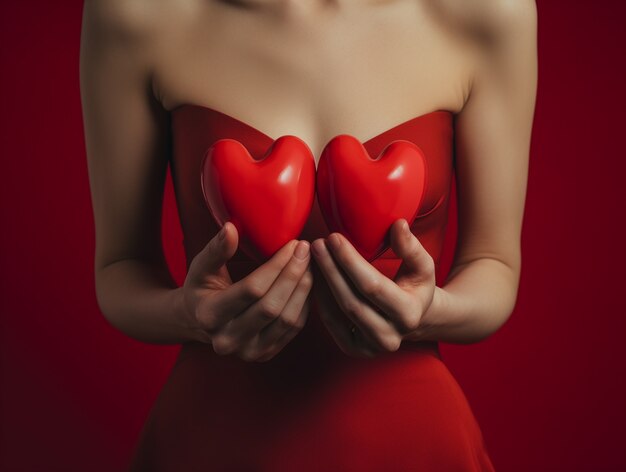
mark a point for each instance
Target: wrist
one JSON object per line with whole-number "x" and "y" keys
{"x": 186, "y": 320}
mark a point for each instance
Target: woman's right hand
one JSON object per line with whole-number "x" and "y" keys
{"x": 258, "y": 315}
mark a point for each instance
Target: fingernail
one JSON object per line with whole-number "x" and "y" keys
{"x": 302, "y": 250}
{"x": 222, "y": 234}
{"x": 406, "y": 229}
{"x": 318, "y": 249}
{"x": 334, "y": 240}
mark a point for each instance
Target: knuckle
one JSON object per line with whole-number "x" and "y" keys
{"x": 206, "y": 319}
{"x": 209, "y": 323}
{"x": 269, "y": 309}
{"x": 372, "y": 287}
{"x": 410, "y": 321}
{"x": 429, "y": 267}
{"x": 426, "y": 263}
{"x": 307, "y": 280}
{"x": 351, "y": 308}
{"x": 292, "y": 273}
{"x": 254, "y": 290}
{"x": 223, "y": 345}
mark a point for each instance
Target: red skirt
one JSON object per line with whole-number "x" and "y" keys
{"x": 311, "y": 408}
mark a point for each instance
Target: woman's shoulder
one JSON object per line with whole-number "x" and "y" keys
{"x": 489, "y": 20}
{"x": 123, "y": 19}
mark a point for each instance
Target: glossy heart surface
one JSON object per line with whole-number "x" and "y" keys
{"x": 361, "y": 197}
{"x": 268, "y": 200}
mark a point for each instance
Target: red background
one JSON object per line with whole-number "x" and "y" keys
{"x": 548, "y": 389}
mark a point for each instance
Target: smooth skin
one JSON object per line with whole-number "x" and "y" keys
{"x": 477, "y": 59}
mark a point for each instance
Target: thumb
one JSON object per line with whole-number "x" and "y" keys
{"x": 417, "y": 265}
{"x": 218, "y": 250}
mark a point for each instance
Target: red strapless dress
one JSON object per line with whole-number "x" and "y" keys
{"x": 311, "y": 407}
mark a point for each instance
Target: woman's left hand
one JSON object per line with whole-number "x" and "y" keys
{"x": 365, "y": 311}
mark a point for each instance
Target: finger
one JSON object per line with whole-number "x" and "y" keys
{"x": 211, "y": 259}
{"x": 363, "y": 345}
{"x": 269, "y": 352}
{"x": 269, "y": 308}
{"x": 398, "y": 303}
{"x": 374, "y": 325}
{"x": 376, "y": 287}
{"x": 290, "y": 318}
{"x": 242, "y": 294}
{"x": 338, "y": 325}
{"x": 417, "y": 264}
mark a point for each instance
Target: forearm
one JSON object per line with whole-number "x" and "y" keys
{"x": 474, "y": 303}
{"x": 143, "y": 301}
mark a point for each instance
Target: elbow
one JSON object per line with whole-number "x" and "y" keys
{"x": 500, "y": 315}
{"x": 105, "y": 304}
{"x": 494, "y": 318}
{"x": 493, "y": 326}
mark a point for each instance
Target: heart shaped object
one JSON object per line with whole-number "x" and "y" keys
{"x": 361, "y": 197}
{"x": 268, "y": 200}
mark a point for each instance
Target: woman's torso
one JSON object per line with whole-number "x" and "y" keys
{"x": 314, "y": 71}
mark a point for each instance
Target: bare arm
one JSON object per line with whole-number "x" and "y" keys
{"x": 492, "y": 150}
{"x": 126, "y": 136}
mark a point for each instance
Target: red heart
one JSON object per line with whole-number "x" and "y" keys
{"x": 268, "y": 200}
{"x": 361, "y": 197}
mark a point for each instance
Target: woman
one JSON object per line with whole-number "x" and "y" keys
{"x": 316, "y": 359}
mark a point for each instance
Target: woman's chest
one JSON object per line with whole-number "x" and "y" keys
{"x": 314, "y": 74}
